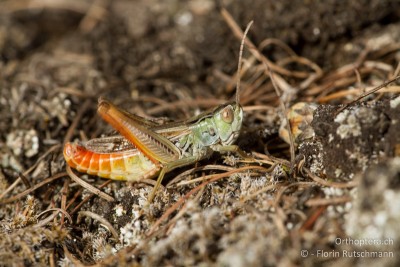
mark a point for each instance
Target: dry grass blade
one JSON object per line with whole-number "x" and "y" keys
{"x": 44, "y": 222}
{"x": 330, "y": 184}
{"x": 209, "y": 177}
{"x": 308, "y": 224}
{"x": 169, "y": 225}
{"x": 71, "y": 257}
{"x": 259, "y": 192}
{"x": 328, "y": 201}
{"x": 86, "y": 199}
{"x": 201, "y": 168}
{"x": 77, "y": 118}
{"x": 385, "y": 84}
{"x": 288, "y": 124}
{"x": 266, "y": 42}
{"x": 88, "y": 186}
{"x": 30, "y": 190}
{"x": 25, "y": 173}
{"x": 280, "y": 192}
{"x": 151, "y": 183}
{"x": 95, "y": 13}
{"x": 194, "y": 190}
{"x": 253, "y": 49}
{"x": 10, "y": 188}
{"x": 347, "y": 92}
{"x": 293, "y": 57}
{"x": 64, "y": 193}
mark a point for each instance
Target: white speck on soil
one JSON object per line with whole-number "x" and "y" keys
{"x": 23, "y": 141}
{"x": 349, "y": 125}
{"x": 119, "y": 210}
{"x": 395, "y": 102}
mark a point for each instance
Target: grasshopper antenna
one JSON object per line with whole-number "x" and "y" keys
{"x": 239, "y": 69}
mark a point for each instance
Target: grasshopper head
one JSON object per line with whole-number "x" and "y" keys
{"x": 228, "y": 119}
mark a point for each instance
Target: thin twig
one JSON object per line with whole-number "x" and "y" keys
{"x": 196, "y": 169}
{"x": 101, "y": 220}
{"x": 260, "y": 191}
{"x": 323, "y": 182}
{"x": 308, "y": 224}
{"x": 71, "y": 257}
{"x": 30, "y": 190}
{"x": 191, "y": 192}
{"x": 208, "y": 177}
{"x": 76, "y": 120}
{"x": 280, "y": 192}
{"x": 328, "y": 201}
{"x": 64, "y": 193}
{"x": 385, "y": 84}
{"x": 64, "y": 212}
{"x": 86, "y": 199}
{"x": 88, "y": 186}
{"x": 25, "y": 173}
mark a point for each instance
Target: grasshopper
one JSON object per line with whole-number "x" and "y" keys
{"x": 145, "y": 149}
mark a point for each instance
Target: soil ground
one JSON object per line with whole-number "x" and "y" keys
{"x": 315, "y": 201}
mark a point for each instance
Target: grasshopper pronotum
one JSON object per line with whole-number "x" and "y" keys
{"x": 146, "y": 149}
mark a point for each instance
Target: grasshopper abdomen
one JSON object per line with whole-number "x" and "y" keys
{"x": 130, "y": 165}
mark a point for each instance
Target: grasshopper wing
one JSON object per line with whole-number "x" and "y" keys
{"x": 155, "y": 146}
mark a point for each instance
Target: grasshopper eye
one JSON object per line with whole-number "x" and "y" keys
{"x": 227, "y": 114}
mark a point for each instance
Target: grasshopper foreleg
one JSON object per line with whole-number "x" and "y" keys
{"x": 234, "y": 149}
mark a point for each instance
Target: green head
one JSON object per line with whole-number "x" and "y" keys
{"x": 228, "y": 121}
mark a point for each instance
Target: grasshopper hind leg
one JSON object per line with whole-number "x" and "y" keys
{"x": 158, "y": 183}
{"x": 173, "y": 165}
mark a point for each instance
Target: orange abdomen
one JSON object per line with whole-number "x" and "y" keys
{"x": 130, "y": 165}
